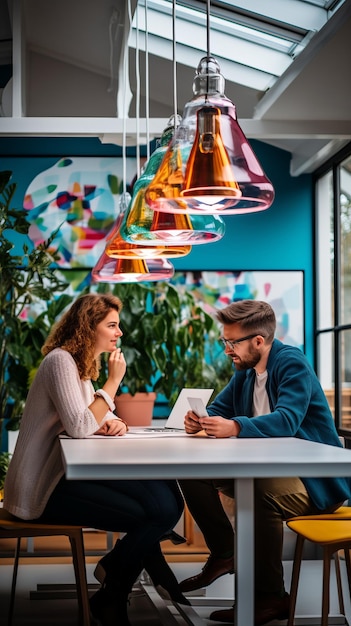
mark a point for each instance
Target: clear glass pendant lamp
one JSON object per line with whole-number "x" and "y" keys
{"x": 209, "y": 167}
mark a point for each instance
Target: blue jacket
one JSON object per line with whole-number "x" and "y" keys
{"x": 298, "y": 409}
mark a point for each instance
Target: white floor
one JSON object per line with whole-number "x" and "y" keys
{"x": 41, "y": 611}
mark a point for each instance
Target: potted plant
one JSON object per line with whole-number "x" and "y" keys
{"x": 169, "y": 342}
{"x": 27, "y": 279}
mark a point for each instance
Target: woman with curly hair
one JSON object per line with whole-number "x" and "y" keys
{"x": 61, "y": 400}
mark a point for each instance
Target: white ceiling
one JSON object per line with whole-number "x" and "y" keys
{"x": 67, "y": 60}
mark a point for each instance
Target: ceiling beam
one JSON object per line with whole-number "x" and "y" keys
{"x": 303, "y": 164}
{"x": 110, "y": 129}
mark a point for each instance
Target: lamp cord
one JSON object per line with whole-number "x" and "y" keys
{"x": 207, "y": 43}
{"x": 174, "y": 65}
{"x": 147, "y": 95}
{"x": 124, "y": 142}
{"x": 137, "y": 92}
{"x": 138, "y": 96}
{"x": 112, "y": 31}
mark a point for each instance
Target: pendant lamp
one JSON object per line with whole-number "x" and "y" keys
{"x": 209, "y": 167}
{"x": 117, "y": 248}
{"x": 127, "y": 262}
{"x": 130, "y": 267}
{"x": 144, "y": 226}
{"x": 109, "y": 270}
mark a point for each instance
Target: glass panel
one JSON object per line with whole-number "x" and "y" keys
{"x": 260, "y": 39}
{"x": 325, "y": 345}
{"x": 246, "y": 55}
{"x": 345, "y": 349}
{"x": 325, "y": 252}
{"x": 345, "y": 241}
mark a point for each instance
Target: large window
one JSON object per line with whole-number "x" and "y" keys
{"x": 333, "y": 281}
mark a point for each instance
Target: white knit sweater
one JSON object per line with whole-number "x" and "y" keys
{"x": 57, "y": 402}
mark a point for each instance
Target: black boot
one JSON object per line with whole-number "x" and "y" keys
{"x": 105, "y": 564}
{"x": 102, "y": 567}
{"x": 174, "y": 537}
{"x": 108, "y": 606}
{"x": 158, "y": 569}
{"x": 163, "y": 578}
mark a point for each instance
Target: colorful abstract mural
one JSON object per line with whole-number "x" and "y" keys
{"x": 215, "y": 289}
{"x": 79, "y": 196}
{"x": 284, "y": 290}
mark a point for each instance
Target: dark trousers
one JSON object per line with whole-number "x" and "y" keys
{"x": 276, "y": 499}
{"x": 143, "y": 509}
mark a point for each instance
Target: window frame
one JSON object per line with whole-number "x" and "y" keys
{"x": 337, "y": 328}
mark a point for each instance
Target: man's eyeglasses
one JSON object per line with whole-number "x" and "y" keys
{"x": 232, "y": 342}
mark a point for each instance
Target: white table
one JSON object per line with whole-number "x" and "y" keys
{"x": 187, "y": 456}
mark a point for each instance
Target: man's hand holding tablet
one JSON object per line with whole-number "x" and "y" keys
{"x": 214, "y": 426}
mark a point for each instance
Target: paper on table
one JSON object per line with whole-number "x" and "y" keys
{"x": 156, "y": 433}
{"x": 141, "y": 434}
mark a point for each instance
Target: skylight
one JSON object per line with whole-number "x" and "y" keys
{"x": 253, "y": 41}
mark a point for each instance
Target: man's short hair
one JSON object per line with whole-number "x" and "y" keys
{"x": 254, "y": 316}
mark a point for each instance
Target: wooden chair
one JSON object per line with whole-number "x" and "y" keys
{"x": 188, "y": 526}
{"x": 12, "y": 528}
{"x": 333, "y": 533}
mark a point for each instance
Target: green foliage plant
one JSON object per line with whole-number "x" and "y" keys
{"x": 26, "y": 279}
{"x": 5, "y": 458}
{"x": 169, "y": 341}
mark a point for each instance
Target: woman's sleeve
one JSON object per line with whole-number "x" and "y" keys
{"x": 69, "y": 395}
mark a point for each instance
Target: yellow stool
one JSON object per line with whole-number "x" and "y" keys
{"x": 332, "y": 532}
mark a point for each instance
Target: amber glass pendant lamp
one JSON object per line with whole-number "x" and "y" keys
{"x": 209, "y": 167}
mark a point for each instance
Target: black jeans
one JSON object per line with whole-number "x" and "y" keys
{"x": 143, "y": 509}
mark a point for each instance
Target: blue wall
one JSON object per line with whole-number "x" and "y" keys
{"x": 280, "y": 238}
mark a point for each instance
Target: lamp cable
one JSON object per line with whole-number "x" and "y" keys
{"x": 208, "y": 6}
{"x": 147, "y": 87}
{"x": 174, "y": 44}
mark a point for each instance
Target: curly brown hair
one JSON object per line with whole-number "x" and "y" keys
{"x": 252, "y": 315}
{"x": 75, "y": 331}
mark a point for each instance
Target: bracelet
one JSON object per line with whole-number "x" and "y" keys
{"x": 125, "y": 423}
{"x": 101, "y": 393}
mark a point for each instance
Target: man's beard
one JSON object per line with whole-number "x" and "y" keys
{"x": 249, "y": 361}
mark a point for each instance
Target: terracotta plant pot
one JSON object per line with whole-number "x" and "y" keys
{"x": 136, "y": 410}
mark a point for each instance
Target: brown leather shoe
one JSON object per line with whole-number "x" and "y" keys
{"x": 223, "y": 615}
{"x": 213, "y": 569}
{"x": 267, "y": 607}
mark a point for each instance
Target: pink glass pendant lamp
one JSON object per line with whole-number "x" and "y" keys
{"x": 222, "y": 172}
{"x": 128, "y": 262}
{"x": 144, "y": 226}
{"x": 209, "y": 166}
{"x": 130, "y": 267}
{"x": 109, "y": 270}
